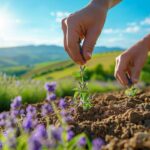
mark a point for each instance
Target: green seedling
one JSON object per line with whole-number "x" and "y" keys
{"x": 82, "y": 92}
{"x": 131, "y": 92}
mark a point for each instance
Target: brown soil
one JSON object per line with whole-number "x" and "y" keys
{"x": 123, "y": 122}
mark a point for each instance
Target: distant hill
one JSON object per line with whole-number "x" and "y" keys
{"x": 31, "y": 55}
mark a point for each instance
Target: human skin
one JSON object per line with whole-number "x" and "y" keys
{"x": 85, "y": 24}
{"x": 132, "y": 61}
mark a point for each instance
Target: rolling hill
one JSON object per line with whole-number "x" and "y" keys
{"x": 23, "y": 60}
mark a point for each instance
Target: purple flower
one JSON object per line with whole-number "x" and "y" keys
{"x": 11, "y": 122}
{"x": 62, "y": 104}
{"x": 3, "y": 115}
{"x": 50, "y": 86}
{"x": 82, "y": 142}
{"x": 31, "y": 111}
{"x": 46, "y": 109}
{"x": 34, "y": 143}
{"x": 97, "y": 144}
{"x": 15, "y": 113}
{"x": 1, "y": 145}
{"x": 70, "y": 135}
{"x": 56, "y": 133}
{"x": 11, "y": 139}
{"x": 40, "y": 131}
{"x": 2, "y": 123}
{"x": 51, "y": 97}
{"x": 22, "y": 112}
{"x": 66, "y": 116}
{"x": 16, "y": 102}
{"x": 29, "y": 123}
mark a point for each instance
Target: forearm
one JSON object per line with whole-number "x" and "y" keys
{"x": 146, "y": 41}
{"x": 106, "y": 3}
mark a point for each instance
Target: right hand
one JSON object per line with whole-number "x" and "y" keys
{"x": 85, "y": 24}
{"x": 132, "y": 62}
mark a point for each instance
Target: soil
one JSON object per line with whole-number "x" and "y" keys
{"x": 123, "y": 122}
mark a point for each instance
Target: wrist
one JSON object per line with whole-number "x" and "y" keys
{"x": 101, "y": 3}
{"x": 146, "y": 42}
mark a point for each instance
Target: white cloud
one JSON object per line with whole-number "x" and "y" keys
{"x": 111, "y": 31}
{"x": 146, "y": 21}
{"x": 132, "y": 29}
{"x": 59, "y": 15}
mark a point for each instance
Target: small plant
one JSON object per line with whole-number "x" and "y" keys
{"x": 131, "y": 92}
{"x": 82, "y": 91}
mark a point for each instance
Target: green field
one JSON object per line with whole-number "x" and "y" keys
{"x": 65, "y": 69}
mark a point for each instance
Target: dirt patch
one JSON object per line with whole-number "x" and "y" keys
{"x": 123, "y": 122}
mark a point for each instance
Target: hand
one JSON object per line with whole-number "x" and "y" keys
{"x": 132, "y": 62}
{"x": 85, "y": 24}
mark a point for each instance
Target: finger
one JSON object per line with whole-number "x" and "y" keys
{"x": 64, "y": 28}
{"x": 120, "y": 71}
{"x": 115, "y": 73}
{"x": 89, "y": 43}
{"x": 136, "y": 69}
{"x": 73, "y": 44}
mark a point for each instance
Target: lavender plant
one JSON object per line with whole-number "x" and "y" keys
{"x": 82, "y": 91}
{"x": 24, "y": 131}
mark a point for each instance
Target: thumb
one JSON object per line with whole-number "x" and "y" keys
{"x": 89, "y": 43}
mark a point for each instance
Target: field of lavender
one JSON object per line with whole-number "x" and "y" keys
{"x": 30, "y": 127}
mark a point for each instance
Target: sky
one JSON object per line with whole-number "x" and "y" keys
{"x": 27, "y": 22}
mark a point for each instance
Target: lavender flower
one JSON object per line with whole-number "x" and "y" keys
{"x": 70, "y": 135}
{"x": 66, "y": 116}
{"x": 82, "y": 142}
{"x": 22, "y": 112}
{"x": 15, "y": 113}
{"x": 2, "y": 123}
{"x": 34, "y": 143}
{"x": 29, "y": 123}
{"x": 16, "y": 102}
{"x": 56, "y": 133}
{"x": 1, "y": 145}
{"x": 62, "y": 104}
{"x": 51, "y": 97}
{"x": 31, "y": 111}
{"x": 40, "y": 132}
{"x": 3, "y": 115}
{"x": 50, "y": 86}
{"x": 97, "y": 144}
{"x": 10, "y": 122}
{"x": 11, "y": 139}
{"x": 46, "y": 109}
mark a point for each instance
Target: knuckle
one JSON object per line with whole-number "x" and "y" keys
{"x": 70, "y": 19}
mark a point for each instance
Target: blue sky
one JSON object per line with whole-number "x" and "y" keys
{"x": 24, "y": 22}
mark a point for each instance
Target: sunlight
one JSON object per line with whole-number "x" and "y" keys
{"x": 5, "y": 22}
